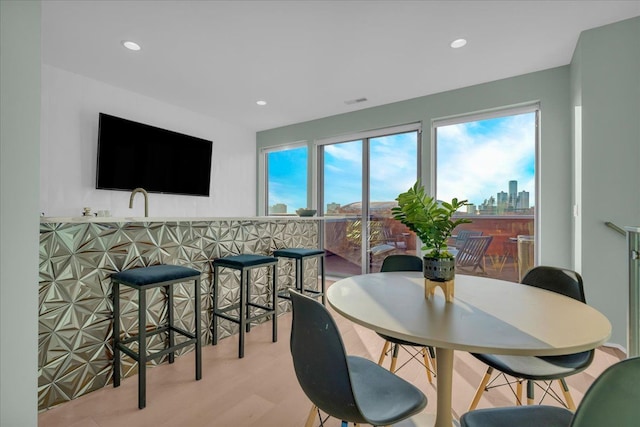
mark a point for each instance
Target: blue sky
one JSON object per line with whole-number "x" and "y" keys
{"x": 288, "y": 178}
{"x": 392, "y": 162}
{"x": 475, "y": 160}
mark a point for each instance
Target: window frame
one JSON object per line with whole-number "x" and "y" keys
{"x": 263, "y": 173}
{"x": 505, "y": 111}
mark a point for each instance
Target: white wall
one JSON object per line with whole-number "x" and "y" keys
{"x": 69, "y": 135}
{"x": 19, "y": 163}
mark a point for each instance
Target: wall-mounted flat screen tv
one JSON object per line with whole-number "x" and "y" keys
{"x": 132, "y": 155}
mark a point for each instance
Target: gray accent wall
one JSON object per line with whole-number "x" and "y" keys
{"x": 550, "y": 88}
{"x": 19, "y": 223}
{"x": 606, "y": 89}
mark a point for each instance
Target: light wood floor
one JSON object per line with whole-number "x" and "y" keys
{"x": 261, "y": 389}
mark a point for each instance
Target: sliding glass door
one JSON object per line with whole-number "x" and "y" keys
{"x": 359, "y": 181}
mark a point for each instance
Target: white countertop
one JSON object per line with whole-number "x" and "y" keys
{"x": 109, "y": 219}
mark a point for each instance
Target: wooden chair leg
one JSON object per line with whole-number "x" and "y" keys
{"x": 519, "y": 392}
{"x": 426, "y": 357}
{"x": 567, "y": 395}
{"x": 312, "y": 415}
{"x": 384, "y": 352}
{"x": 480, "y": 390}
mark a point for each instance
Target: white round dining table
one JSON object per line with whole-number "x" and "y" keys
{"x": 485, "y": 316}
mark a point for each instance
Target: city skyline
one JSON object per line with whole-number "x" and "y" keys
{"x": 513, "y": 200}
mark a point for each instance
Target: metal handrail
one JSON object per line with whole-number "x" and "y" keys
{"x": 615, "y": 227}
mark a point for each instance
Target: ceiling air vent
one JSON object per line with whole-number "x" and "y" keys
{"x": 355, "y": 101}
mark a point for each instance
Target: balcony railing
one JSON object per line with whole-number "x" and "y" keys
{"x": 344, "y": 242}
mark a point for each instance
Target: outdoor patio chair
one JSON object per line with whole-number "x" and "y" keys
{"x": 471, "y": 255}
{"x": 462, "y": 237}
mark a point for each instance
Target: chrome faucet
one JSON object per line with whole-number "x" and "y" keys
{"x": 146, "y": 200}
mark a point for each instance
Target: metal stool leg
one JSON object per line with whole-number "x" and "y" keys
{"x": 244, "y": 276}
{"x": 142, "y": 348}
{"x": 299, "y": 275}
{"x": 196, "y": 308}
{"x": 246, "y": 303}
{"x": 214, "y": 317}
{"x": 172, "y": 339}
{"x": 274, "y": 303}
{"x": 116, "y": 334}
{"x": 322, "y": 281}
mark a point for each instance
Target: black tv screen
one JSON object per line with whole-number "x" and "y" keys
{"x": 132, "y": 155}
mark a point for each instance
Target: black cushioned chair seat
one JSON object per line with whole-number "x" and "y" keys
{"x": 298, "y": 253}
{"x": 518, "y": 416}
{"x": 377, "y": 390}
{"x": 243, "y": 261}
{"x": 538, "y": 368}
{"x": 154, "y": 274}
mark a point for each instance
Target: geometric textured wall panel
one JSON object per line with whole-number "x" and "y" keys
{"x": 75, "y": 319}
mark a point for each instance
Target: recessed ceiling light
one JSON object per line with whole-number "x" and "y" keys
{"x": 458, "y": 43}
{"x": 131, "y": 45}
{"x": 261, "y": 102}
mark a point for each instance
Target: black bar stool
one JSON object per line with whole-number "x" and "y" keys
{"x": 299, "y": 255}
{"x": 143, "y": 279}
{"x": 244, "y": 264}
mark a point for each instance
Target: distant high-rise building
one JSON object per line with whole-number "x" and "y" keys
{"x": 488, "y": 207}
{"x": 278, "y": 208}
{"x": 502, "y": 202}
{"x": 471, "y": 209}
{"x": 513, "y": 193}
{"x": 523, "y": 200}
{"x": 503, "y": 198}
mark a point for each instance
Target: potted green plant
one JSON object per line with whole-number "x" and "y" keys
{"x": 433, "y": 223}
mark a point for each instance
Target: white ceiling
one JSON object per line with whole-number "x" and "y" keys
{"x": 306, "y": 58}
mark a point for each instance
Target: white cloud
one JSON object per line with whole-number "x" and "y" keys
{"x": 476, "y": 162}
{"x": 346, "y": 152}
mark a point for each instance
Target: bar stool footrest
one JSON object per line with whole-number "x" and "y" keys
{"x": 223, "y": 313}
{"x": 309, "y": 292}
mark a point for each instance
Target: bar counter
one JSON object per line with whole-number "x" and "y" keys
{"x": 78, "y": 255}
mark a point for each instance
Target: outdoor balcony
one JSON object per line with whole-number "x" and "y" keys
{"x": 343, "y": 243}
